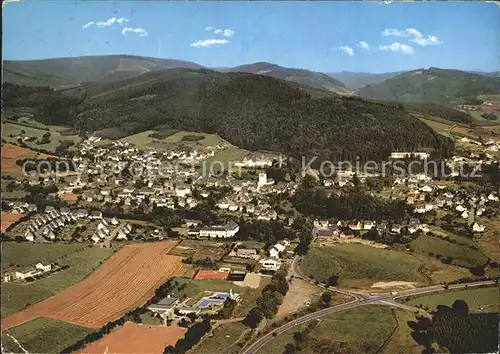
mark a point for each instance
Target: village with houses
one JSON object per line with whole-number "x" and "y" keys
{"x": 237, "y": 230}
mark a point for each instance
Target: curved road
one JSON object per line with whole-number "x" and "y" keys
{"x": 360, "y": 300}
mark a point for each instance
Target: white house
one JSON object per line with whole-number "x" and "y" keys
{"x": 426, "y": 188}
{"x": 29, "y": 236}
{"x": 27, "y": 273}
{"x": 225, "y": 231}
{"x": 368, "y": 225}
{"x": 274, "y": 253}
{"x": 477, "y": 228}
{"x": 492, "y": 197}
{"x": 396, "y": 228}
{"x": 403, "y": 155}
{"x": 42, "y": 267}
{"x": 270, "y": 264}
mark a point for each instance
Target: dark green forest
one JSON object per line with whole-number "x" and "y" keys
{"x": 251, "y": 111}
{"x": 458, "y": 330}
{"x": 432, "y": 85}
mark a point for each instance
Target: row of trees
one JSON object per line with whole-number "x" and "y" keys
{"x": 193, "y": 335}
{"x": 269, "y": 301}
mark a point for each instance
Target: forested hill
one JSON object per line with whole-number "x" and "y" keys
{"x": 306, "y": 77}
{"x": 59, "y": 72}
{"x": 432, "y": 86}
{"x": 251, "y": 111}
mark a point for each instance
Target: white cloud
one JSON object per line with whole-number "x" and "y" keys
{"x": 204, "y": 43}
{"x": 397, "y": 47}
{"x": 228, "y": 33}
{"x": 140, "y": 31}
{"x": 346, "y": 49}
{"x": 363, "y": 45}
{"x": 108, "y": 23}
{"x": 431, "y": 40}
{"x": 209, "y": 28}
{"x": 5, "y": 2}
{"x": 413, "y": 35}
{"x": 88, "y": 24}
{"x": 406, "y": 33}
{"x": 224, "y": 32}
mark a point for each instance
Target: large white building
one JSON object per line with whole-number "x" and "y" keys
{"x": 264, "y": 181}
{"x": 225, "y": 231}
{"x": 404, "y": 155}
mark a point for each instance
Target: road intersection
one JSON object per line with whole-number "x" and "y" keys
{"x": 359, "y": 299}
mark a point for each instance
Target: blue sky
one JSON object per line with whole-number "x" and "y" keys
{"x": 321, "y": 36}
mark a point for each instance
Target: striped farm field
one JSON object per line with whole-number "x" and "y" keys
{"x": 126, "y": 281}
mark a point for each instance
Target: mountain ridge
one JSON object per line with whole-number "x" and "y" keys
{"x": 310, "y": 78}
{"x": 255, "y": 112}
{"x": 432, "y": 85}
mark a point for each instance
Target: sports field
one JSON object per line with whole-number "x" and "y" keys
{"x": 134, "y": 338}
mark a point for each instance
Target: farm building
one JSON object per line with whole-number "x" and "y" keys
{"x": 26, "y": 273}
{"x": 246, "y": 253}
{"x": 165, "y": 306}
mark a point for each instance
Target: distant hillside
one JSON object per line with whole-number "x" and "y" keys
{"x": 490, "y": 74}
{"x": 306, "y": 77}
{"x": 359, "y": 80}
{"x": 432, "y": 86}
{"x": 72, "y": 71}
{"x": 255, "y": 112}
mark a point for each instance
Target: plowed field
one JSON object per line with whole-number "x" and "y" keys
{"x": 133, "y": 338}
{"x": 12, "y": 153}
{"x": 127, "y": 280}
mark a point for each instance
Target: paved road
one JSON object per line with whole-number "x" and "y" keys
{"x": 386, "y": 299}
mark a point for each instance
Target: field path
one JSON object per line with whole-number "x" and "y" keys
{"x": 127, "y": 280}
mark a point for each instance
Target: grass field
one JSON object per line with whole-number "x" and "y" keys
{"x": 172, "y": 140}
{"x": 364, "y": 329}
{"x": 200, "y": 249}
{"x": 442, "y": 127}
{"x": 488, "y": 242}
{"x": 225, "y": 158}
{"x": 15, "y": 297}
{"x": 148, "y": 319}
{"x": 462, "y": 255}
{"x": 16, "y": 255}
{"x": 445, "y": 127}
{"x": 44, "y": 335}
{"x": 401, "y": 341}
{"x": 355, "y": 262}
{"x": 222, "y": 340}
{"x": 475, "y": 298}
{"x": 55, "y": 135}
